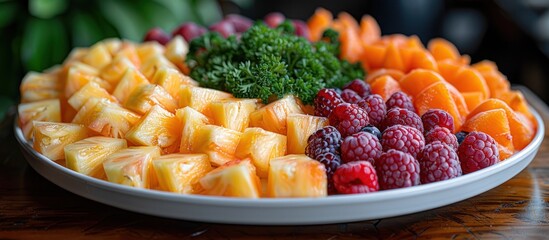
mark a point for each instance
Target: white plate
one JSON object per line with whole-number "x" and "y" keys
{"x": 332, "y": 209}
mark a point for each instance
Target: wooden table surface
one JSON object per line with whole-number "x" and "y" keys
{"x": 33, "y": 208}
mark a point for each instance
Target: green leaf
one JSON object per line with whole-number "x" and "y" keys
{"x": 5, "y": 104}
{"x": 85, "y": 30}
{"x": 8, "y": 11}
{"x": 209, "y": 11}
{"x": 124, "y": 17}
{"x": 156, "y": 15}
{"x": 47, "y": 8}
{"x": 44, "y": 44}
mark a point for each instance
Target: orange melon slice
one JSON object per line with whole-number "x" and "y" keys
{"x": 494, "y": 123}
{"x": 438, "y": 96}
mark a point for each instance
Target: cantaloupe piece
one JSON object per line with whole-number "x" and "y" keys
{"x": 385, "y": 86}
{"x": 438, "y": 96}
{"x": 494, "y": 123}
{"x": 320, "y": 20}
{"x": 418, "y": 80}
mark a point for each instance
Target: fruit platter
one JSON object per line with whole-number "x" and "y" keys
{"x": 277, "y": 121}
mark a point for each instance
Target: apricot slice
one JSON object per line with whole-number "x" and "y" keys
{"x": 494, "y": 123}
{"x": 372, "y": 56}
{"x": 472, "y": 99}
{"x": 438, "y": 96}
{"x": 393, "y": 58}
{"x": 423, "y": 60}
{"x": 320, "y": 20}
{"x": 385, "y": 86}
{"x": 464, "y": 78}
{"x": 395, "y": 74}
{"x": 442, "y": 49}
{"x": 418, "y": 80}
{"x": 369, "y": 29}
{"x": 517, "y": 102}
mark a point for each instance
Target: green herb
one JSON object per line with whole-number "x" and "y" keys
{"x": 270, "y": 63}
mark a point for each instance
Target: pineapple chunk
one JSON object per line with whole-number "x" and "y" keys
{"x": 50, "y": 138}
{"x": 88, "y": 91}
{"x": 261, "y": 146}
{"x": 199, "y": 98}
{"x": 144, "y": 97}
{"x": 76, "y": 55}
{"x": 273, "y": 116}
{"x": 157, "y": 128}
{"x": 45, "y": 110}
{"x": 176, "y": 51}
{"x": 39, "y": 86}
{"x": 131, "y": 80}
{"x": 98, "y": 56}
{"x": 296, "y": 175}
{"x": 148, "y": 50}
{"x": 152, "y": 64}
{"x": 76, "y": 79}
{"x": 114, "y": 72}
{"x": 218, "y": 143}
{"x": 233, "y": 113}
{"x": 87, "y": 155}
{"x": 180, "y": 173}
{"x": 171, "y": 80}
{"x": 132, "y": 167}
{"x": 234, "y": 179}
{"x": 113, "y": 45}
{"x": 190, "y": 120}
{"x": 128, "y": 51}
{"x": 300, "y": 127}
{"x": 106, "y": 118}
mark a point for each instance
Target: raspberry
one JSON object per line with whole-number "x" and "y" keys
{"x": 375, "y": 107}
{"x": 350, "y": 96}
{"x": 438, "y": 162}
{"x": 401, "y": 100}
{"x": 403, "y": 117}
{"x": 443, "y": 135}
{"x": 331, "y": 162}
{"x": 403, "y": 138}
{"x": 360, "y": 146}
{"x": 348, "y": 118}
{"x": 437, "y": 117}
{"x": 326, "y": 99}
{"x": 323, "y": 140}
{"x": 372, "y": 130}
{"x": 356, "y": 177}
{"x": 461, "y": 136}
{"x": 477, "y": 151}
{"x": 397, "y": 169}
{"x": 359, "y": 86}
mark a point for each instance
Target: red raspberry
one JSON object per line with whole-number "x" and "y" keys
{"x": 356, "y": 177}
{"x": 360, "y": 146}
{"x": 443, "y": 135}
{"x": 403, "y": 138}
{"x": 157, "y": 34}
{"x": 477, "y": 151}
{"x": 397, "y": 169}
{"x": 331, "y": 163}
{"x": 323, "y": 140}
{"x": 350, "y": 96}
{"x": 438, "y": 162}
{"x": 348, "y": 118}
{"x": 325, "y": 101}
{"x": 375, "y": 107}
{"x": 359, "y": 86}
{"x": 403, "y": 117}
{"x": 401, "y": 100}
{"x": 437, "y": 117}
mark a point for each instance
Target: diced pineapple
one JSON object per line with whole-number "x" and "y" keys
{"x": 261, "y": 146}
{"x": 98, "y": 56}
{"x": 199, "y": 98}
{"x": 76, "y": 79}
{"x": 148, "y": 50}
{"x": 113, "y": 45}
{"x": 296, "y": 175}
{"x": 234, "y": 179}
{"x": 299, "y": 128}
{"x": 171, "y": 80}
{"x": 152, "y": 64}
{"x": 273, "y": 116}
{"x": 76, "y": 55}
{"x": 45, "y": 110}
{"x": 176, "y": 51}
{"x": 90, "y": 90}
{"x": 39, "y": 86}
{"x": 106, "y": 118}
{"x": 132, "y": 167}
{"x": 87, "y": 155}
{"x": 114, "y": 72}
{"x": 128, "y": 51}
{"x": 157, "y": 128}
{"x": 180, "y": 173}
{"x": 131, "y": 79}
{"x": 50, "y": 138}
{"x": 232, "y": 113}
{"x": 144, "y": 97}
{"x": 217, "y": 142}
{"x": 190, "y": 120}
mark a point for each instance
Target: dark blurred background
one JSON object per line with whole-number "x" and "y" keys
{"x": 36, "y": 34}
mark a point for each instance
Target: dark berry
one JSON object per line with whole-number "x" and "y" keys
{"x": 461, "y": 136}
{"x": 372, "y": 130}
{"x": 443, "y": 135}
{"x": 348, "y": 118}
{"x": 301, "y": 29}
{"x": 359, "y": 86}
{"x": 325, "y": 101}
{"x": 323, "y": 140}
{"x": 400, "y": 100}
{"x": 477, "y": 151}
{"x": 360, "y": 146}
{"x": 403, "y": 117}
{"x": 274, "y": 19}
{"x": 437, "y": 117}
{"x": 438, "y": 162}
{"x": 403, "y": 138}
{"x": 375, "y": 107}
{"x": 397, "y": 169}
{"x": 331, "y": 162}
{"x": 350, "y": 96}
{"x": 189, "y": 31}
{"x": 240, "y": 23}
{"x": 158, "y": 35}
{"x": 223, "y": 27}
{"x": 356, "y": 177}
